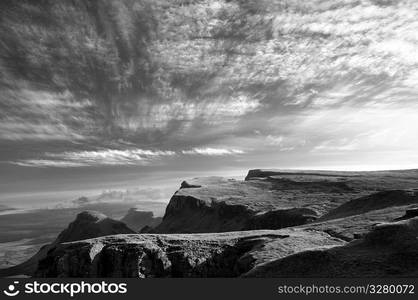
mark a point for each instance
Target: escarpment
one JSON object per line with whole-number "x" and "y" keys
{"x": 274, "y": 224}
{"x": 274, "y": 199}
{"x": 217, "y": 204}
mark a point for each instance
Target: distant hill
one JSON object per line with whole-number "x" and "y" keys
{"x": 137, "y": 219}
{"x": 88, "y": 224}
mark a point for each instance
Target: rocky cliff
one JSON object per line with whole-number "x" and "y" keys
{"x": 178, "y": 255}
{"x": 89, "y": 224}
{"x": 274, "y": 199}
{"x": 387, "y": 250}
{"x": 217, "y": 205}
{"x": 273, "y": 224}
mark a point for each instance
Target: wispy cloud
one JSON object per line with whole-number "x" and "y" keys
{"x": 17, "y": 129}
{"x": 97, "y": 158}
{"x": 150, "y": 116}
{"x": 213, "y": 151}
{"x": 112, "y": 157}
{"x": 283, "y": 143}
{"x": 49, "y": 163}
{"x": 43, "y": 116}
{"x": 314, "y": 76}
{"x": 374, "y": 129}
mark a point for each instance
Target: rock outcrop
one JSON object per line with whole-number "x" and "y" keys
{"x": 88, "y": 224}
{"x": 216, "y": 204}
{"x": 274, "y": 199}
{"x": 389, "y": 249}
{"x": 274, "y": 224}
{"x": 138, "y": 219}
{"x": 178, "y": 255}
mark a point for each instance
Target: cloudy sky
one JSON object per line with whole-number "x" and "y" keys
{"x": 108, "y": 95}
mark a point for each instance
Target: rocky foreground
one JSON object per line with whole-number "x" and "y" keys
{"x": 272, "y": 224}
{"x": 387, "y": 250}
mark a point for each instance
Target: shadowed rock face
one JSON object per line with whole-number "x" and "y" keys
{"x": 89, "y": 224}
{"x": 216, "y": 204}
{"x": 138, "y": 219}
{"x": 274, "y": 199}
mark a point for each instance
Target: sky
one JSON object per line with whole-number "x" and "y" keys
{"x": 157, "y": 92}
